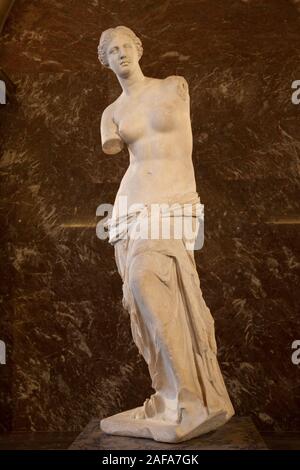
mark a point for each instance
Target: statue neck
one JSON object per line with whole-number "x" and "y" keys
{"x": 130, "y": 85}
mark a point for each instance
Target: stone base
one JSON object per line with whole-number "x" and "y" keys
{"x": 124, "y": 424}
{"x": 239, "y": 433}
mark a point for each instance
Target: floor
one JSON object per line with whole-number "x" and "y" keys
{"x": 63, "y": 440}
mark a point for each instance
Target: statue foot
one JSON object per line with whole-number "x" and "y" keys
{"x": 148, "y": 410}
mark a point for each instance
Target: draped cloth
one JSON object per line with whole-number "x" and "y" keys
{"x": 173, "y": 330}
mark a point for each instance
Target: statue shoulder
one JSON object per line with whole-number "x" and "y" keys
{"x": 108, "y": 112}
{"x": 180, "y": 84}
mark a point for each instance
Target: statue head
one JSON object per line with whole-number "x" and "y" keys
{"x": 119, "y": 49}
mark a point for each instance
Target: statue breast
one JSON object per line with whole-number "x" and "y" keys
{"x": 154, "y": 114}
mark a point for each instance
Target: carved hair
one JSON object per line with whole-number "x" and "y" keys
{"x": 107, "y": 36}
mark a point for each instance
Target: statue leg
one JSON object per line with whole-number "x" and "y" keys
{"x": 161, "y": 333}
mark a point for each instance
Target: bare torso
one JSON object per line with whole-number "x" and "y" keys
{"x": 155, "y": 125}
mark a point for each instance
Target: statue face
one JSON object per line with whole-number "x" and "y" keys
{"x": 122, "y": 54}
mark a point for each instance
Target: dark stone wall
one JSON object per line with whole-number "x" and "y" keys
{"x": 70, "y": 354}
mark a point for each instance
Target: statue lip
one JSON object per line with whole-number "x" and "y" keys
{"x": 124, "y": 62}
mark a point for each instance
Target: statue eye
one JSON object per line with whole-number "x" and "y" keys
{"x": 113, "y": 50}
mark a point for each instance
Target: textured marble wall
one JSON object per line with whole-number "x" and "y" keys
{"x": 70, "y": 352}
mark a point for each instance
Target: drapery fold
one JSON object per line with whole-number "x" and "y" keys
{"x": 172, "y": 328}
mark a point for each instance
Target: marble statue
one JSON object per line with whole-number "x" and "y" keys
{"x": 171, "y": 324}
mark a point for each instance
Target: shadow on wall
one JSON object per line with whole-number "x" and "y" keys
{"x": 5, "y": 7}
{"x": 7, "y": 87}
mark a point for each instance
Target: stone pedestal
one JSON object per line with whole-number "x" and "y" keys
{"x": 239, "y": 433}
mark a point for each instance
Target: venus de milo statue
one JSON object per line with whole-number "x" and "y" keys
{"x": 171, "y": 324}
